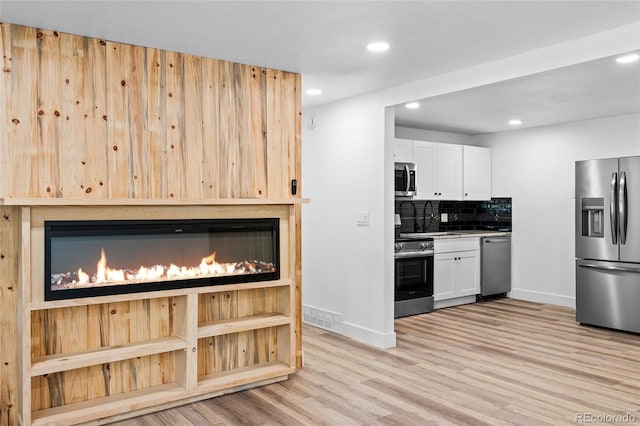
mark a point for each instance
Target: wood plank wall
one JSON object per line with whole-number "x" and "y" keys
{"x": 9, "y": 262}
{"x": 89, "y": 118}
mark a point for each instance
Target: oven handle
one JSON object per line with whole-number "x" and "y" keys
{"x": 426, "y": 253}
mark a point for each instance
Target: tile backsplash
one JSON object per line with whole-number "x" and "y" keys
{"x": 426, "y": 216}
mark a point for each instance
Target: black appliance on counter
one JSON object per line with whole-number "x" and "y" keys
{"x": 413, "y": 287}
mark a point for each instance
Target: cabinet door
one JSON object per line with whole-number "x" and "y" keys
{"x": 402, "y": 151}
{"x": 424, "y": 155}
{"x": 477, "y": 173}
{"x": 449, "y": 171}
{"x": 443, "y": 275}
{"x": 466, "y": 280}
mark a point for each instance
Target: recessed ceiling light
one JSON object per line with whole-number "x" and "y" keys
{"x": 626, "y": 59}
{"x": 412, "y": 105}
{"x": 515, "y": 122}
{"x": 314, "y": 92}
{"x": 378, "y": 46}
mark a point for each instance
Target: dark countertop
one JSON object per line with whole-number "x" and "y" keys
{"x": 455, "y": 234}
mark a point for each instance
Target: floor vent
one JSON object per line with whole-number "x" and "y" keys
{"x": 321, "y": 318}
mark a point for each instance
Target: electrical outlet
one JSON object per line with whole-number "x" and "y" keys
{"x": 444, "y": 217}
{"x": 363, "y": 219}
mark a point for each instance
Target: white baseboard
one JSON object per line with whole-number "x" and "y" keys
{"x": 550, "y": 298}
{"x": 370, "y": 337}
{"x": 332, "y": 321}
{"x": 447, "y": 303}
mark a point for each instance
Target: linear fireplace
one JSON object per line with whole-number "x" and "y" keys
{"x": 97, "y": 258}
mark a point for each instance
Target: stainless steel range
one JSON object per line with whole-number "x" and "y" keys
{"x": 413, "y": 275}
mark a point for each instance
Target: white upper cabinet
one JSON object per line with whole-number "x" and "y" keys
{"x": 402, "y": 151}
{"x": 424, "y": 155}
{"x": 438, "y": 170}
{"x": 477, "y": 173}
{"x": 449, "y": 171}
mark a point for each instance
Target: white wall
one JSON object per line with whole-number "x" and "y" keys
{"x": 433, "y": 136}
{"x": 344, "y": 268}
{"x": 347, "y": 167}
{"x": 536, "y": 168}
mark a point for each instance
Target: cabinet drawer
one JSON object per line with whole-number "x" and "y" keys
{"x": 456, "y": 244}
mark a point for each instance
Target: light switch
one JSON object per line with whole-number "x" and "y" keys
{"x": 363, "y": 219}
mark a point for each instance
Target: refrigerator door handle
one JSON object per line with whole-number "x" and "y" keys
{"x": 613, "y": 208}
{"x": 622, "y": 207}
{"x": 609, "y": 268}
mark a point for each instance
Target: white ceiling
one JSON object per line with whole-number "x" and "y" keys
{"x": 325, "y": 40}
{"x": 595, "y": 89}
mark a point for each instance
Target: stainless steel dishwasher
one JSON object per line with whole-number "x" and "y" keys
{"x": 495, "y": 268}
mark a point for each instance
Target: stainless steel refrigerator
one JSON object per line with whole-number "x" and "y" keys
{"x": 608, "y": 243}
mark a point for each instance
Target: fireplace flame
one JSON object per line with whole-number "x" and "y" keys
{"x": 83, "y": 277}
{"x": 208, "y": 267}
{"x": 101, "y": 268}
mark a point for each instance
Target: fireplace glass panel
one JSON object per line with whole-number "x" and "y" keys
{"x": 94, "y": 258}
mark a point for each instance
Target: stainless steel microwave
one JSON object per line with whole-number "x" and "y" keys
{"x": 405, "y": 179}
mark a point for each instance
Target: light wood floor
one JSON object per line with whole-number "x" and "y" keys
{"x": 497, "y": 362}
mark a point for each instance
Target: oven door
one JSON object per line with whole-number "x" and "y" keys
{"x": 413, "y": 283}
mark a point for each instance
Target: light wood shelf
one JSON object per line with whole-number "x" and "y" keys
{"x": 161, "y": 394}
{"x": 237, "y": 325}
{"x": 53, "y": 304}
{"x": 35, "y": 202}
{"x": 63, "y": 362}
{"x": 244, "y": 375}
{"x": 103, "y": 407}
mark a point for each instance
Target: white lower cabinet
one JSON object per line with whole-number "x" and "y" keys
{"x": 456, "y": 268}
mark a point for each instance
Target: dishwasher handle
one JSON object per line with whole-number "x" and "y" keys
{"x": 496, "y": 240}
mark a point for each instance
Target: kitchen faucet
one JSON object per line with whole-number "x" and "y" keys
{"x": 415, "y": 214}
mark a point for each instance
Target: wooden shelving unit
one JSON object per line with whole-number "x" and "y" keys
{"x": 183, "y": 345}
{"x": 213, "y": 340}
